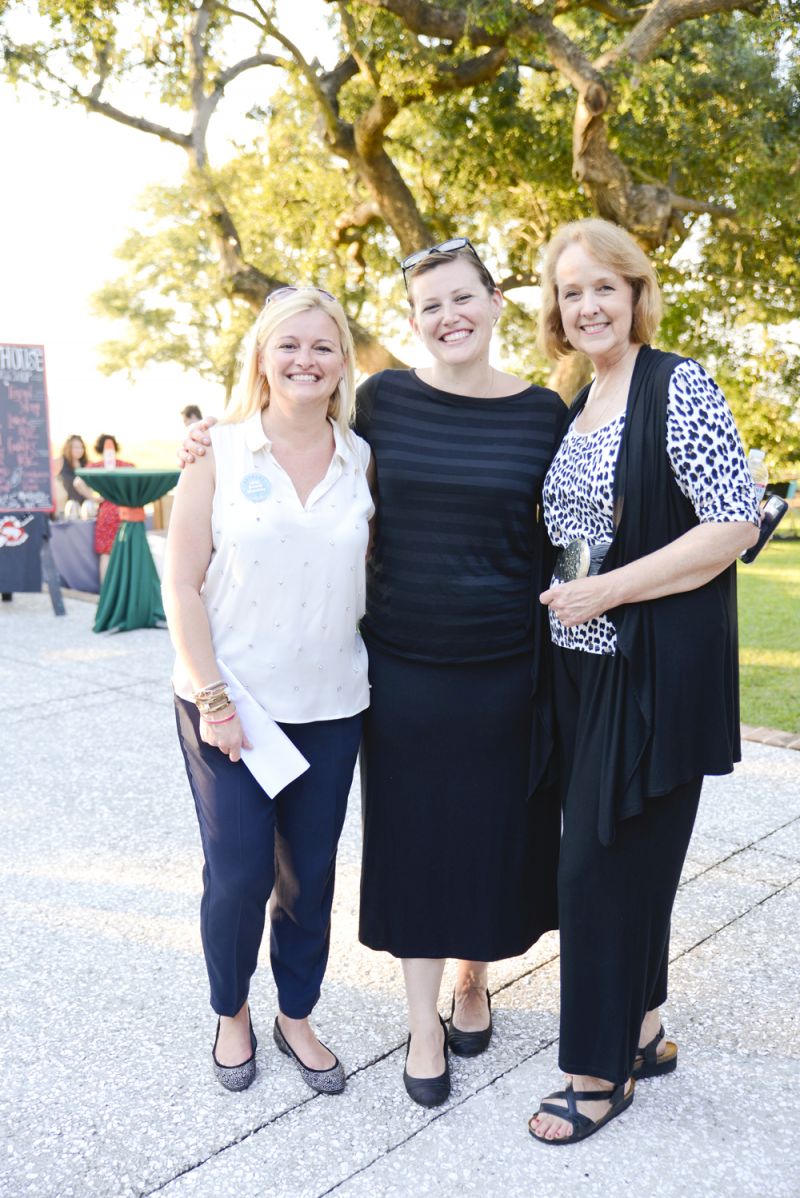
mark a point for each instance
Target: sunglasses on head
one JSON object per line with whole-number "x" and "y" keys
{"x": 281, "y": 292}
{"x": 444, "y": 247}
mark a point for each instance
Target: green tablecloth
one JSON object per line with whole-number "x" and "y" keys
{"x": 130, "y": 596}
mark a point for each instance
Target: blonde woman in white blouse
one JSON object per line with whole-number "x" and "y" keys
{"x": 264, "y": 581}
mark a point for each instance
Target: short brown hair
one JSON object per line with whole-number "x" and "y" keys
{"x": 442, "y": 258}
{"x": 615, "y": 248}
{"x": 100, "y": 443}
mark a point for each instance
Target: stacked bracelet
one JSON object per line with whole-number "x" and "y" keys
{"x": 211, "y": 689}
{"x": 211, "y": 698}
{"x": 226, "y": 720}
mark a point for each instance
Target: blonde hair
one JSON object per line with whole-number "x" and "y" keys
{"x": 251, "y": 394}
{"x": 613, "y": 247}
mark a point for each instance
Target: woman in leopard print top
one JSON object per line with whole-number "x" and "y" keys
{"x": 652, "y": 476}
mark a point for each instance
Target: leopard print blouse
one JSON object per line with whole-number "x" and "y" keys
{"x": 707, "y": 460}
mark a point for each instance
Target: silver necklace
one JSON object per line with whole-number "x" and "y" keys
{"x": 589, "y": 408}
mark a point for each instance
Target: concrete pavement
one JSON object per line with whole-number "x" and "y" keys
{"x": 107, "y": 1087}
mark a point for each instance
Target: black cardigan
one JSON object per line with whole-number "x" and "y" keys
{"x": 670, "y": 705}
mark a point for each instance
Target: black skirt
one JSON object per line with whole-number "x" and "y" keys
{"x": 457, "y": 861}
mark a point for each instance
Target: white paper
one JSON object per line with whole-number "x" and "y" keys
{"x": 274, "y": 761}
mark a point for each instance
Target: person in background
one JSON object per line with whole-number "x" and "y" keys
{"x": 70, "y": 488}
{"x": 265, "y": 572}
{"x": 650, "y": 501}
{"x": 190, "y": 414}
{"x": 108, "y": 519}
{"x": 460, "y": 844}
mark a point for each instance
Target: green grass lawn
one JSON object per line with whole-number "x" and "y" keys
{"x": 769, "y": 637}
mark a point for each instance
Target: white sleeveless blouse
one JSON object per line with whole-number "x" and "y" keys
{"x": 285, "y": 587}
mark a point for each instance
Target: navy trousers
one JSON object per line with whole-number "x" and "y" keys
{"x": 255, "y": 847}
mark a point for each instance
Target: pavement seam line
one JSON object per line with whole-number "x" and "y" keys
{"x": 513, "y": 981}
{"x": 758, "y": 903}
{"x": 224, "y": 1147}
{"x": 526, "y": 973}
{"x": 742, "y": 849}
{"x": 452, "y": 1106}
{"x": 554, "y": 1040}
{"x": 312, "y": 1097}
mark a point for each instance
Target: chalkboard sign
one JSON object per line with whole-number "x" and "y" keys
{"x": 25, "y": 480}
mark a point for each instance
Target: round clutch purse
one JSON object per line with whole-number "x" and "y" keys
{"x": 579, "y": 559}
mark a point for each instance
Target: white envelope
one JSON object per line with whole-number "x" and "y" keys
{"x": 273, "y": 760}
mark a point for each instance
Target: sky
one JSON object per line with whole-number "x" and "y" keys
{"x": 70, "y": 184}
{"x": 68, "y": 199}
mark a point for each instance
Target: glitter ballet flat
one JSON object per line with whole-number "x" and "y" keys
{"x": 324, "y": 1081}
{"x": 236, "y": 1077}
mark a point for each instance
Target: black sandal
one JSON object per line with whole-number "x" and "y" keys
{"x": 648, "y": 1063}
{"x": 582, "y": 1125}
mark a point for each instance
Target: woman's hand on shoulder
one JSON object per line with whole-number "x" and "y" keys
{"x": 196, "y": 440}
{"x": 228, "y": 736}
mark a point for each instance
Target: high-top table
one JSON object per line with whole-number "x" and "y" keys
{"x": 130, "y": 596}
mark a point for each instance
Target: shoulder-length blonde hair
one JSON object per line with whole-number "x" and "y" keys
{"x": 615, "y": 248}
{"x": 251, "y": 394}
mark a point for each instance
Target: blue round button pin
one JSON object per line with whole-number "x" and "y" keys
{"x": 255, "y": 487}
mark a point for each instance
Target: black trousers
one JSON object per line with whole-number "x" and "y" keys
{"x": 615, "y": 901}
{"x": 255, "y": 846}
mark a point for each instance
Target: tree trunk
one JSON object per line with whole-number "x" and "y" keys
{"x": 569, "y": 375}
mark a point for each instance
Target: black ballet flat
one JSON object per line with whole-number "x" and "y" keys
{"x": 469, "y": 1044}
{"x": 429, "y": 1091}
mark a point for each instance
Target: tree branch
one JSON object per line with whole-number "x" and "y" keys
{"x": 248, "y": 64}
{"x": 196, "y": 52}
{"x": 245, "y": 16}
{"x": 519, "y": 279}
{"x": 332, "y": 82}
{"x": 620, "y": 16}
{"x": 141, "y": 123}
{"x": 445, "y": 24}
{"x": 361, "y": 216}
{"x": 357, "y": 49}
{"x": 329, "y": 112}
{"x": 372, "y": 124}
{"x": 660, "y": 19}
{"x": 573, "y": 64}
{"x": 470, "y": 73}
{"x": 684, "y": 204}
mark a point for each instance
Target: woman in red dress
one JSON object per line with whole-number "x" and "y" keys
{"x": 108, "y": 513}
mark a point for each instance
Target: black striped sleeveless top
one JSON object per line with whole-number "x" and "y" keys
{"x": 451, "y": 574}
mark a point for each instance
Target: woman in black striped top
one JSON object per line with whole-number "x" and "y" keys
{"x": 457, "y": 861}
